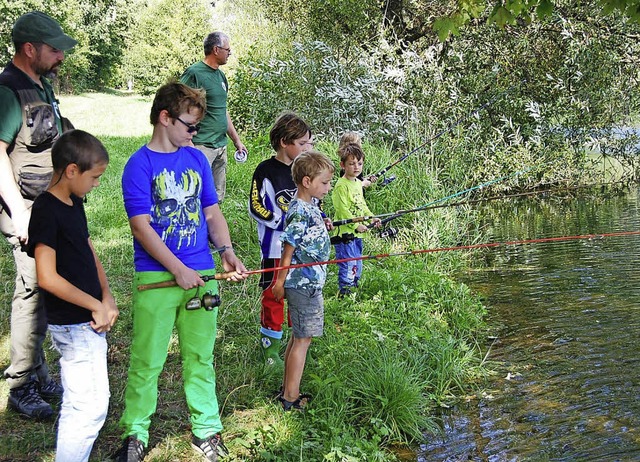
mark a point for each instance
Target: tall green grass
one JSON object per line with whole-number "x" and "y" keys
{"x": 393, "y": 352}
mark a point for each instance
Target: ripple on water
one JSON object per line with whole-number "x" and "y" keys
{"x": 568, "y": 315}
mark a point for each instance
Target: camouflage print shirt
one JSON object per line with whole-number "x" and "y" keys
{"x": 305, "y": 230}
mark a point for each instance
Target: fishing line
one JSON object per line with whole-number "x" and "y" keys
{"x": 430, "y": 204}
{"x": 228, "y": 275}
{"x": 502, "y": 197}
{"x": 446, "y": 130}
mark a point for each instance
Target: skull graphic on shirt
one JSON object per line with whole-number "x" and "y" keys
{"x": 176, "y": 207}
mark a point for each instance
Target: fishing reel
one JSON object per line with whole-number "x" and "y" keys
{"x": 386, "y": 180}
{"x": 208, "y": 301}
{"x": 389, "y": 232}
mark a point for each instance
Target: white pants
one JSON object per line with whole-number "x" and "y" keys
{"x": 83, "y": 368}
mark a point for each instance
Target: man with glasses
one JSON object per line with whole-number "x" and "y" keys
{"x": 211, "y": 138}
{"x": 30, "y": 122}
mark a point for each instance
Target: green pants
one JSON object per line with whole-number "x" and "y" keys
{"x": 155, "y": 312}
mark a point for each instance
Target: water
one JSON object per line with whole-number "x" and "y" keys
{"x": 566, "y": 321}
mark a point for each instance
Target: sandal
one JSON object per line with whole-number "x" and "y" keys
{"x": 297, "y": 405}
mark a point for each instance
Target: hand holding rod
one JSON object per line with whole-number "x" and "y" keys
{"x": 173, "y": 283}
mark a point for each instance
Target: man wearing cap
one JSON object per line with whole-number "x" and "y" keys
{"x": 30, "y": 122}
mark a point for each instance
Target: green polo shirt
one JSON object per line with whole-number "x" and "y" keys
{"x": 213, "y": 127}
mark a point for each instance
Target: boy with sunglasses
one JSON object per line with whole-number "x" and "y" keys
{"x": 172, "y": 205}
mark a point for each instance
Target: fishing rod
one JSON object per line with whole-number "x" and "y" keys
{"x": 446, "y": 130}
{"x": 227, "y": 275}
{"x": 392, "y": 232}
{"x": 432, "y": 203}
{"x": 484, "y": 199}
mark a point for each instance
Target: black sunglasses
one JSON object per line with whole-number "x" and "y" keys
{"x": 190, "y": 128}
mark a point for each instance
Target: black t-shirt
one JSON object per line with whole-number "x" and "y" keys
{"x": 64, "y": 228}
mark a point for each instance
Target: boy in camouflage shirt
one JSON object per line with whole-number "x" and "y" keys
{"x": 305, "y": 240}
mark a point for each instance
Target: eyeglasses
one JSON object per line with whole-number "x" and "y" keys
{"x": 228, "y": 50}
{"x": 190, "y": 128}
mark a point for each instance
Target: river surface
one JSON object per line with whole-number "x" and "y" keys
{"x": 564, "y": 337}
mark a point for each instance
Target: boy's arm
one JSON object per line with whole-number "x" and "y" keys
{"x": 107, "y": 297}
{"x": 142, "y": 231}
{"x": 269, "y": 215}
{"x": 285, "y": 260}
{"x": 52, "y": 282}
{"x": 220, "y": 237}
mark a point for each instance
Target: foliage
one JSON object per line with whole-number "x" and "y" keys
{"x": 166, "y": 38}
{"x": 99, "y": 28}
{"x": 509, "y": 12}
{"x": 333, "y": 94}
{"x": 342, "y": 24}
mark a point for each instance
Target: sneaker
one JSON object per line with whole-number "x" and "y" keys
{"x": 344, "y": 292}
{"x": 29, "y": 403}
{"x": 52, "y": 390}
{"x": 132, "y": 450}
{"x": 211, "y": 447}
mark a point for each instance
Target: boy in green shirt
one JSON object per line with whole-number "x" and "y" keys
{"x": 348, "y": 202}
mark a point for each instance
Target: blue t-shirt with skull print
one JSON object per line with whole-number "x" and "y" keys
{"x": 173, "y": 189}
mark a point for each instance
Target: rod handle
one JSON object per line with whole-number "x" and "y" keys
{"x": 346, "y": 221}
{"x": 157, "y": 285}
{"x": 173, "y": 283}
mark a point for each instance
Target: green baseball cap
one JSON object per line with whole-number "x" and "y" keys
{"x": 37, "y": 27}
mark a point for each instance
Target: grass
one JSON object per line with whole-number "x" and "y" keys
{"x": 391, "y": 353}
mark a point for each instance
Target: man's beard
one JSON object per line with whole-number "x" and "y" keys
{"x": 48, "y": 72}
{"x": 52, "y": 73}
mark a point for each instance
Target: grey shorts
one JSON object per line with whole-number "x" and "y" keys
{"x": 306, "y": 310}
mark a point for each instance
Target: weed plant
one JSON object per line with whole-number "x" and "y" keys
{"x": 393, "y": 352}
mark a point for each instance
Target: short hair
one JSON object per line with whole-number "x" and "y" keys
{"x": 311, "y": 163}
{"x": 80, "y": 148}
{"x": 287, "y": 128}
{"x": 177, "y": 98}
{"x": 351, "y": 149}
{"x": 350, "y": 137}
{"x": 214, "y": 39}
{"x": 19, "y": 45}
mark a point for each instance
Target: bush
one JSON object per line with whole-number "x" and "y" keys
{"x": 165, "y": 40}
{"x": 333, "y": 95}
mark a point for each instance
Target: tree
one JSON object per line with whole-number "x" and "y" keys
{"x": 508, "y": 12}
{"x": 97, "y": 26}
{"x": 166, "y": 38}
{"x": 341, "y": 24}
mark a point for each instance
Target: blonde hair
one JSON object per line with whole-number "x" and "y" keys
{"x": 348, "y": 138}
{"x": 311, "y": 164}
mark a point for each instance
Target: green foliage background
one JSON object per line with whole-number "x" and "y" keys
{"x": 561, "y": 76}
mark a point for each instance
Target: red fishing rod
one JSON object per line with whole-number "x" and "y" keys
{"x": 224, "y": 276}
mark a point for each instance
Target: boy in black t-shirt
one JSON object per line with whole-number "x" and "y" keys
{"x": 79, "y": 305}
